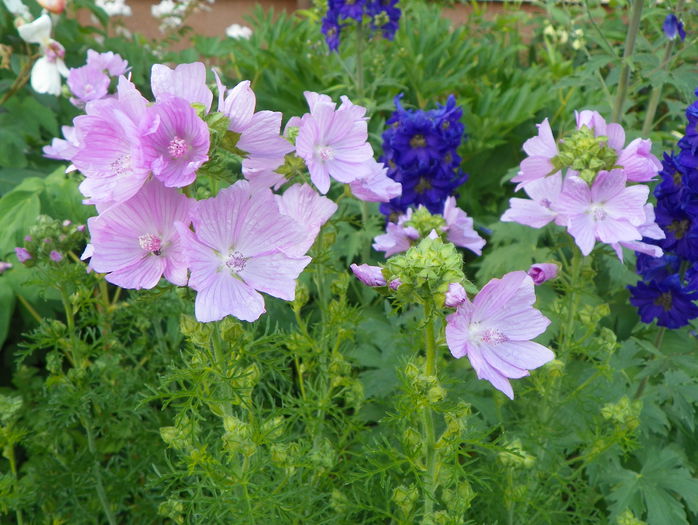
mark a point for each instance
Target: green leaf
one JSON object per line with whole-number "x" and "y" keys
{"x": 18, "y": 211}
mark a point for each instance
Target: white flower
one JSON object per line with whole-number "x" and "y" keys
{"x": 237, "y": 31}
{"x": 17, "y": 8}
{"x": 114, "y": 7}
{"x": 47, "y": 71}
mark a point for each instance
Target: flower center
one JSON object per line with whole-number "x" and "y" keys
{"x": 177, "y": 148}
{"x": 122, "y": 165}
{"x": 679, "y": 228}
{"x": 325, "y": 153}
{"x": 491, "y": 336}
{"x": 418, "y": 141}
{"x": 150, "y": 243}
{"x": 236, "y": 262}
{"x": 422, "y": 186}
{"x": 598, "y": 212}
{"x": 664, "y": 301}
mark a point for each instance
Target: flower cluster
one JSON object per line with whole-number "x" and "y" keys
{"x": 421, "y": 151}
{"x": 50, "y": 239}
{"x": 670, "y": 284}
{"x": 140, "y": 160}
{"x": 591, "y": 183}
{"x": 383, "y": 16}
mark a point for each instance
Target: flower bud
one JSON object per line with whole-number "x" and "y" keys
{"x": 541, "y": 272}
{"x": 455, "y": 295}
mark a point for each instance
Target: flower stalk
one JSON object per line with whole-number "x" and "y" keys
{"x": 631, "y": 36}
{"x": 429, "y": 438}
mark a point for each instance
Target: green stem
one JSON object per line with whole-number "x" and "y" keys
{"x": 10, "y": 455}
{"x": 70, "y": 322}
{"x": 98, "y": 475}
{"x": 630, "y": 37}
{"x": 428, "y": 416}
{"x": 29, "y": 308}
{"x": 656, "y": 93}
{"x": 221, "y": 361}
{"x": 567, "y": 331}
{"x": 359, "y": 76}
{"x": 366, "y": 250}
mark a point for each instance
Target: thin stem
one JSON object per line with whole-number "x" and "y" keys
{"x": 572, "y": 299}
{"x": 360, "y": 34}
{"x": 98, "y": 475}
{"x": 428, "y": 416}
{"x": 9, "y": 450}
{"x": 633, "y": 27}
{"x": 366, "y": 250}
{"x": 29, "y": 308}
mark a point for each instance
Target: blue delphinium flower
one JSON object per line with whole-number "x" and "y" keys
{"x": 673, "y": 27}
{"x": 671, "y": 281}
{"x": 382, "y": 15}
{"x": 667, "y": 300}
{"x": 420, "y": 149}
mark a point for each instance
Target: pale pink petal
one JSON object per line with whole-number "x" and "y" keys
{"x": 544, "y": 144}
{"x": 274, "y": 273}
{"x": 455, "y": 296}
{"x": 144, "y": 274}
{"x": 369, "y": 275}
{"x": 486, "y": 371}
{"x": 607, "y": 185}
{"x": 616, "y": 136}
{"x": 582, "y": 228}
{"x": 515, "y": 289}
{"x": 225, "y": 295}
{"x": 528, "y": 212}
{"x": 187, "y": 81}
{"x": 239, "y": 106}
{"x": 523, "y": 354}
{"x": 615, "y": 230}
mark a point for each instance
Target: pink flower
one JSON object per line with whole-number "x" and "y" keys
{"x": 187, "y": 81}
{"x": 136, "y": 242}
{"x": 369, "y": 275}
{"x": 376, "y": 186}
{"x": 87, "y": 83}
{"x": 307, "y": 207}
{"x": 638, "y": 162}
{"x": 459, "y": 228}
{"x": 55, "y": 256}
{"x": 109, "y": 140}
{"x": 541, "y": 150}
{"x": 237, "y": 250}
{"x": 495, "y": 330}
{"x": 110, "y": 62}
{"x": 651, "y": 230}
{"x": 397, "y": 237}
{"x": 334, "y": 142}
{"x": 608, "y": 211}
{"x": 537, "y": 211}
{"x": 4, "y": 266}
{"x": 22, "y": 254}
{"x": 455, "y": 296}
{"x": 260, "y": 133}
{"x": 541, "y": 272}
{"x": 60, "y": 149}
{"x": 179, "y": 145}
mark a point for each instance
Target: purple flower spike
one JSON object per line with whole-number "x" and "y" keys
{"x": 495, "y": 330}
{"x": 369, "y": 275}
{"x": 136, "y": 242}
{"x": 673, "y": 27}
{"x": 179, "y": 145}
{"x": 22, "y": 254}
{"x": 542, "y": 272}
{"x": 237, "y": 250}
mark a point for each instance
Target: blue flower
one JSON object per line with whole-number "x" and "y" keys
{"x": 384, "y": 16}
{"x": 420, "y": 149}
{"x": 672, "y": 27}
{"x": 666, "y": 300}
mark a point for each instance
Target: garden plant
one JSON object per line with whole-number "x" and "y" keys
{"x": 353, "y": 264}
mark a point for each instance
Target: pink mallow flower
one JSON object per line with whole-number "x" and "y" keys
{"x": 63, "y": 149}
{"x": 397, "y": 237}
{"x": 110, "y": 153}
{"x": 136, "y": 242}
{"x": 541, "y": 272}
{"x": 459, "y": 228}
{"x": 237, "y": 250}
{"x": 260, "y": 132}
{"x": 608, "y": 211}
{"x": 87, "y": 83}
{"x": 333, "y": 142}
{"x": 537, "y": 211}
{"x": 109, "y": 62}
{"x": 376, "y": 186}
{"x": 179, "y": 145}
{"x": 541, "y": 150}
{"x": 187, "y": 81}
{"x": 307, "y": 207}
{"x": 495, "y": 330}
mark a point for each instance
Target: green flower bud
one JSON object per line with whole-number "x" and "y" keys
{"x": 516, "y": 456}
{"x": 624, "y": 413}
{"x": 586, "y": 154}
{"x": 424, "y": 222}
{"x": 425, "y": 271}
{"x": 405, "y": 498}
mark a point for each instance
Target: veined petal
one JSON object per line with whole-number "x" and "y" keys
{"x": 522, "y": 354}
{"x": 274, "y": 273}
{"x": 225, "y": 295}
